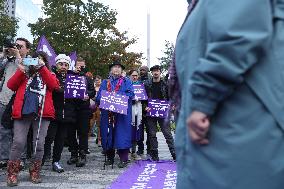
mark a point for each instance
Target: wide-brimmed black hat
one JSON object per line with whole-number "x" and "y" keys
{"x": 156, "y": 67}
{"x": 116, "y": 63}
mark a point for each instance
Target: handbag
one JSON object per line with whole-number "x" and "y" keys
{"x": 7, "y": 120}
{"x": 31, "y": 103}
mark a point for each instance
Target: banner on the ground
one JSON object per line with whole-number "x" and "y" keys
{"x": 147, "y": 174}
{"x": 140, "y": 92}
{"x": 75, "y": 86}
{"x": 114, "y": 102}
{"x": 158, "y": 108}
{"x": 44, "y": 46}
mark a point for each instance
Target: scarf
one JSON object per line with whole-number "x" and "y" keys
{"x": 111, "y": 117}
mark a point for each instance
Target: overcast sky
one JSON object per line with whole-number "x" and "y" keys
{"x": 166, "y": 18}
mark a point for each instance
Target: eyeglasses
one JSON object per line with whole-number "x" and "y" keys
{"x": 134, "y": 75}
{"x": 18, "y": 46}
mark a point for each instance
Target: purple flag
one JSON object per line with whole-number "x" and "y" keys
{"x": 139, "y": 91}
{"x": 148, "y": 174}
{"x": 73, "y": 57}
{"x": 158, "y": 108}
{"x": 114, "y": 102}
{"x": 44, "y": 46}
{"x": 75, "y": 86}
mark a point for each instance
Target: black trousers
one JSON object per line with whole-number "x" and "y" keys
{"x": 152, "y": 138}
{"x": 57, "y": 132}
{"x": 79, "y": 130}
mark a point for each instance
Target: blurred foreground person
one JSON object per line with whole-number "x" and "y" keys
{"x": 229, "y": 67}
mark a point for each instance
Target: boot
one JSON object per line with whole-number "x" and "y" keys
{"x": 13, "y": 169}
{"x": 110, "y": 157}
{"x": 73, "y": 159}
{"x": 82, "y": 159}
{"x": 35, "y": 172}
{"x": 154, "y": 155}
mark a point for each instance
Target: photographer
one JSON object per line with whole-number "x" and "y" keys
{"x": 33, "y": 106}
{"x": 83, "y": 116}
{"x": 12, "y": 53}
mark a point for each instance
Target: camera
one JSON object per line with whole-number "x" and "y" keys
{"x": 9, "y": 44}
{"x": 30, "y": 61}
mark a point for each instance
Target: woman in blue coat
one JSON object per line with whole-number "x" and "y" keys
{"x": 229, "y": 65}
{"x": 116, "y": 128}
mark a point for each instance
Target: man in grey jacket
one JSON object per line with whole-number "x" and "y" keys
{"x": 8, "y": 66}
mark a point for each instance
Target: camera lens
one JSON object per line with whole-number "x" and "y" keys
{"x": 18, "y": 46}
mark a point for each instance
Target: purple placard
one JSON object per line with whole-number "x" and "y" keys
{"x": 139, "y": 91}
{"x": 147, "y": 174}
{"x": 44, "y": 46}
{"x": 158, "y": 108}
{"x": 114, "y": 102}
{"x": 75, "y": 86}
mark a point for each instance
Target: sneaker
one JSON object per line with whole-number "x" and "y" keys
{"x": 155, "y": 158}
{"x": 135, "y": 156}
{"x": 88, "y": 151}
{"x": 72, "y": 160}
{"x": 57, "y": 167}
{"x": 140, "y": 153}
{"x": 82, "y": 160}
{"x": 3, "y": 164}
{"x": 122, "y": 164}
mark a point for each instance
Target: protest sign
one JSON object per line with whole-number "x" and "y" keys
{"x": 75, "y": 86}
{"x": 114, "y": 102}
{"x": 140, "y": 92}
{"x": 158, "y": 108}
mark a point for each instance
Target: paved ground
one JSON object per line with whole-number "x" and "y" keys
{"x": 92, "y": 176}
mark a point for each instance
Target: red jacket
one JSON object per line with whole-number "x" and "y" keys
{"x": 18, "y": 83}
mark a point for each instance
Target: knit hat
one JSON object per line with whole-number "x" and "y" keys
{"x": 63, "y": 58}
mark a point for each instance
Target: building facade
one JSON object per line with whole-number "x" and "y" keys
{"x": 26, "y": 12}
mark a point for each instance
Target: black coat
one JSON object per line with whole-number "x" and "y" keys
{"x": 64, "y": 108}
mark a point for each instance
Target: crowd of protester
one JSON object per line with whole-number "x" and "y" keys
{"x": 38, "y": 120}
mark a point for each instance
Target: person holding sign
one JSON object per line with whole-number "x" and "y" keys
{"x": 83, "y": 116}
{"x": 116, "y": 127}
{"x": 64, "y": 115}
{"x": 157, "y": 89}
{"x": 137, "y": 130}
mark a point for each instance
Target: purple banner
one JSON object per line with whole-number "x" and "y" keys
{"x": 75, "y": 86}
{"x": 73, "y": 57}
{"x": 44, "y": 46}
{"x": 139, "y": 91}
{"x": 147, "y": 174}
{"x": 114, "y": 102}
{"x": 158, "y": 108}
